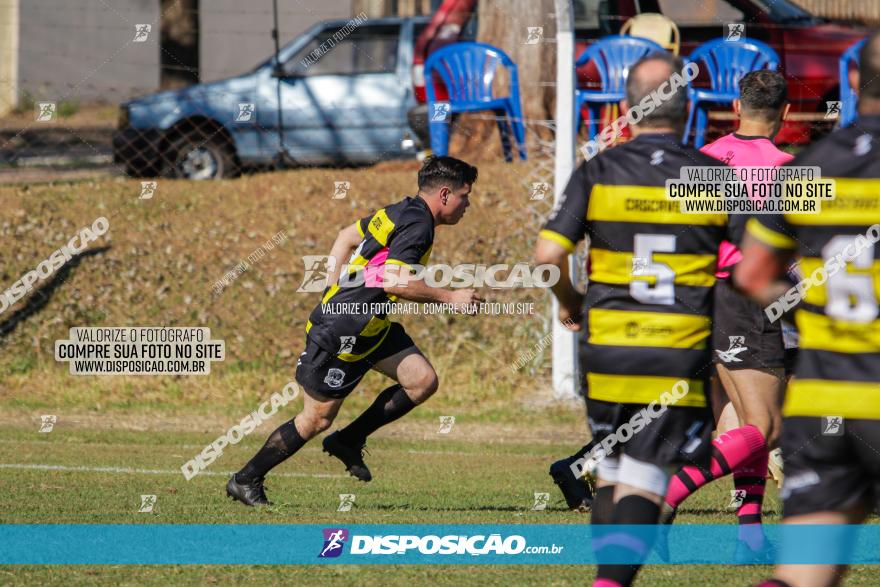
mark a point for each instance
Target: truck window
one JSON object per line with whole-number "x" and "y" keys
{"x": 368, "y": 49}
{"x": 700, "y": 12}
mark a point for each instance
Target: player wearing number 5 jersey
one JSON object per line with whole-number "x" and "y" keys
{"x": 831, "y": 414}
{"x": 645, "y": 320}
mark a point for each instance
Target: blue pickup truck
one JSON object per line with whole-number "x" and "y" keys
{"x": 337, "y": 95}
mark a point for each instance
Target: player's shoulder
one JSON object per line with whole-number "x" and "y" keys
{"x": 720, "y": 142}
{"x": 411, "y": 212}
{"x": 695, "y": 157}
{"x": 839, "y": 147}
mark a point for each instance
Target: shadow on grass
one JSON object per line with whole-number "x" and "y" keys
{"x": 40, "y": 298}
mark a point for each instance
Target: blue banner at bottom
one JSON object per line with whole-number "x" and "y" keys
{"x": 104, "y": 544}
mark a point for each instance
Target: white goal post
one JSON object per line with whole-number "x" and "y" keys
{"x": 565, "y": 368}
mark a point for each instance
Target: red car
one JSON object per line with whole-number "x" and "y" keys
{"x": 809, "y": 46}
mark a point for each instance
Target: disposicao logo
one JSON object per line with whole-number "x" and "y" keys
{"x": 334, "y": 541}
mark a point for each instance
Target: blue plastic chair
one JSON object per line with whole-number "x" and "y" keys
{"x": 726, "y": 62}
{"x": 467, "y": 70}
{"x": 613, "y": 56}
{"x": 848, "y": 98}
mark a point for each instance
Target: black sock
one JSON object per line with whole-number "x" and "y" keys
{"x": 601, "y": 513}
{"x": 281, "y": 444}
{"x": 390, "y": 405}
{"x": 603, "y": 505}
{"x": 583, "y": 451}
{"x": 636, "y": 510}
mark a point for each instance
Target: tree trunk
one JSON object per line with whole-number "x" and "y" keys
{"x": 509, "y": 25}
{"x": 179, "y": 39}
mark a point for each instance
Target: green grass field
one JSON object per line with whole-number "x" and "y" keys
{"x": 479, "y": 473}
{"x": 120, "y": 437}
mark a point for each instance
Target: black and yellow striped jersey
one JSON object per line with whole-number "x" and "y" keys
{"x": 838, "y": 370}
{"x": 651, "y": 270}
{"x": 350, "y": 320}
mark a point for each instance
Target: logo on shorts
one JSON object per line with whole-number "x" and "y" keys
{"x": 737, "y": 346}
{"x": 832, "y": 425}
{"x": 346, "y": 344}
{"x": 797, "y": 482}
{"x": 334, "y": 377}
{"x": 334, "y": 541}
{"x": 693, "y": 440}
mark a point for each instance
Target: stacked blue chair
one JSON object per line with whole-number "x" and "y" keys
{"x": 848, "y": 98}
{"x": 613, "y": 56}
{"x": 467, "y": 71}
{"x": 725, "y": 62}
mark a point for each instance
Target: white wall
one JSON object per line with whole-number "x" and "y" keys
{"x": 235, "y": 36}
{"x": 83, "y": 50}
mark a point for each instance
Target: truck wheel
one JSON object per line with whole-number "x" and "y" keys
{"x": 193, "y": 157}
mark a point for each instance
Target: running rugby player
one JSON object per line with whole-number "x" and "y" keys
{"x": 341, "y": 348}
{"x": 831, "y": 415}
{"x": 748, "y": 348}
{"x": 644, "y": 332}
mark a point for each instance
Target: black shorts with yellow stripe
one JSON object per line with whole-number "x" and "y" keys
{"x": 831, "y": 464}
{"x": 323, "y": 372}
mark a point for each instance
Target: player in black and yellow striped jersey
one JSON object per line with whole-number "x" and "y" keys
{"x": 831, "y": 413}
{"x": 343, "y": 344}
{"x": 645, "y": 319}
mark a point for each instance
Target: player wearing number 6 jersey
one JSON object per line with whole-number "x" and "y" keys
{"x": 831, "y": 414}
{"x": 645, "y": 320}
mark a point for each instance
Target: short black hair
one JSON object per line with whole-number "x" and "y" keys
{"x": 671, "y": 112}
{"x": 869, "y": 67}
{"x": 763, "y": 93}
{"x": 438, "y": 171}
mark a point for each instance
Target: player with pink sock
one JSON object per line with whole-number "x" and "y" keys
{"x": 749, "y": 351}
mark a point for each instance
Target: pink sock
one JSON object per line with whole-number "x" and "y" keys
{"x": 729, "y": 452}
{"x": 605, "y": 583}
{"x": 750, "y": 479}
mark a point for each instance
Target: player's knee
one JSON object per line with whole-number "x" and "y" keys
{"x": 425, "y": 385}
{"x": 774, "y": 429}
{"x": 312, "y": 424}
{"x": 322, "y": 423}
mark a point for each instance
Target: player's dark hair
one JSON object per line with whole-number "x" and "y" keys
{"x": 449, "y": 171}
{"x": 671, "y": 111}
{"x": 763, "y": 93}
{"x": 869, "y": 67}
